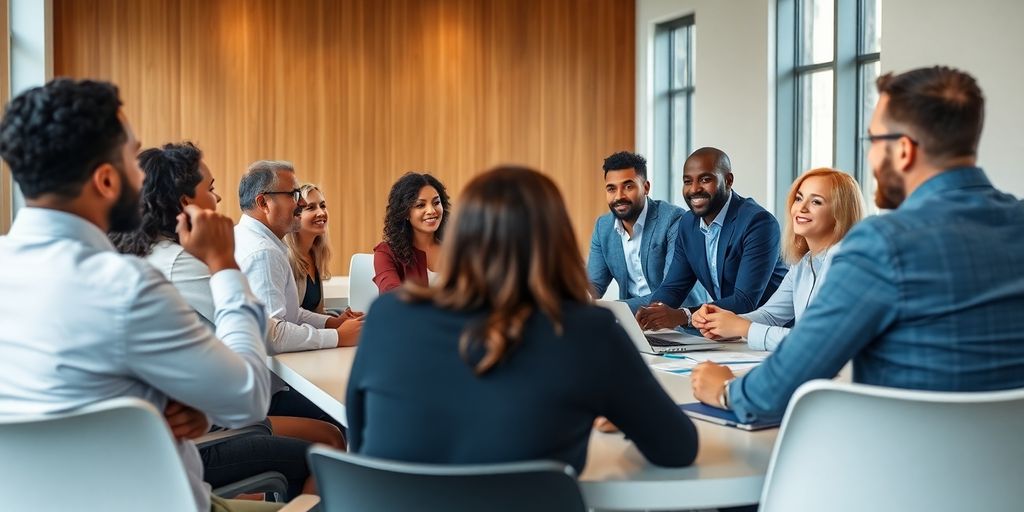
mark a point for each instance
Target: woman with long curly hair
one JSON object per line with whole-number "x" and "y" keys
{"x": 486, "y": 379}
{"x": 177, "y": 176}
{"x": 414, "y": 222}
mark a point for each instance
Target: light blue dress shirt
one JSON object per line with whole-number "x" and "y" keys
{"x": 83, "y": 324}
{"x": 711, "y": 234}
{"x": 637, "y": 285}
{"x": 927, "y": 297}
{"x": 789, "y": 301}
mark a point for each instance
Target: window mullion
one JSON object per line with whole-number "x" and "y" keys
{"x": 845, "y": 100}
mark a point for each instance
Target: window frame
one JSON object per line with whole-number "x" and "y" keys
{"x": 848, "y": 64}
{"x": 665, "y": 94}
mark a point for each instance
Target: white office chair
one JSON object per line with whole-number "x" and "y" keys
{"x": 853, "y": 447}
{"x": 361, "y": 288}
{"x": 351, "y": 482}
{"x": 113, "y": 456}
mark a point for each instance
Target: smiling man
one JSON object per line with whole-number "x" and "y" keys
{"x": 634, "y": 243}
{"x": 726, "y": 242}
{"x": 926, "y": 297}
{"x": 269, "y": 196}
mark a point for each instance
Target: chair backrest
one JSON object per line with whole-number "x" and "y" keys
{"x": 351, "y": 482}
{"x": 361, "y": 288}
{"x": 846, "y": 447}
{"x": 117, "y": 455}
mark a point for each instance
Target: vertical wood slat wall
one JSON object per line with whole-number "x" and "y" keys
{"x": 5, "y": 88}
{"x": 357, "y": 92}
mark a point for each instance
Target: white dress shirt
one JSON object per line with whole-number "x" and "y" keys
{"x": 789, "y": 301}
{"x": 631, "y": 249}
{"x": 83, "y": 324}
{"x": 264, "y": 259}
{"x": 189, "y": 275}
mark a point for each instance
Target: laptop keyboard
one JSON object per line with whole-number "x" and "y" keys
{"x": 658, "y": 342}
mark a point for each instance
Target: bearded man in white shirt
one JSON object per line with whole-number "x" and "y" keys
{"x": 123, "y": 329}
{"x": 268, "y": 194}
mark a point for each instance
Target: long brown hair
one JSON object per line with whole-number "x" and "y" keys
{"x": 510, "y": 251}
{"x": 847, "y": 209}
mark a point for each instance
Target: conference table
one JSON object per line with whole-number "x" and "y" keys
{"x": 729, "y": 470}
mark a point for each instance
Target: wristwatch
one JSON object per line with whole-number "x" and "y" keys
{"x": 689, "y": 317}
{"x": 723, "y": 399}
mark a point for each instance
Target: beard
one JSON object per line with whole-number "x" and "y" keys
{"x": 889, "y": 190}
{"x": 126, "y": 214}
{"x": 629, "y": 215}
{"x": 714, "y": 204}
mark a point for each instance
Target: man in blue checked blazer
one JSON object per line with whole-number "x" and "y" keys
{"x": 928, "y": 296}
{"x": 726, "y": 242}
{"x": 633, "y": 243}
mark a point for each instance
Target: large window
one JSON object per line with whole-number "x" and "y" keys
{"x": 673, "y": 108}
{"x": 828, "y": 59}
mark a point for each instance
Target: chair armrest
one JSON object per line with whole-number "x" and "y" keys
{"x": 269, "y": 482}
{"x": 301, "y": 503}
{"x": 213, "y": 438}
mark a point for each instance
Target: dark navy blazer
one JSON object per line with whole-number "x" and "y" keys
{"x": 749, "y": 262}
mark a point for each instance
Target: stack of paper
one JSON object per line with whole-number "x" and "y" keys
{"x": 681, "y": 364}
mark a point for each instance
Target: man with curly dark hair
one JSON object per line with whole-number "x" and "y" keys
{"x": 121, "y": 328}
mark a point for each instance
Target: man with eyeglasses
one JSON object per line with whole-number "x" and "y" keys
{"x": 928, "y": 296}
{"x": 269, "y": 197}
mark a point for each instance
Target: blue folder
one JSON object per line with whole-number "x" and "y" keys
{"x": 724, "y": 417}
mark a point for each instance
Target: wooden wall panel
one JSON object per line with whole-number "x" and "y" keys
{"x": 357, "y": 92}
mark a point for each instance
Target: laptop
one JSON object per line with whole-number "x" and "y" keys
{"x": 661, "y": 342}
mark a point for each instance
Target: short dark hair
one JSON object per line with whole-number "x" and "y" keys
{"x": 171, "y": 171}
{"x": 723, "y": 165}
{"x": 626, "y": 160}
{"x": 53, "y": 137}
{"x": 944, "y": 106}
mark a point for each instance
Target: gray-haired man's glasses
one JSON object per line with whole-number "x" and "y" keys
{"x": 296, "y": 194}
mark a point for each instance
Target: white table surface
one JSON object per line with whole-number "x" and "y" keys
{"x": 729, "y": 470}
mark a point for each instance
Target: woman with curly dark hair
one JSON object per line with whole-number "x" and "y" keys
{"x": 414, "y": 222}
{"x": 177, "y": 176}
{"x": 487, "y": 379}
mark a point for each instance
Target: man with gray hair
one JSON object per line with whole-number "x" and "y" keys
{"x": 269, "y": 197}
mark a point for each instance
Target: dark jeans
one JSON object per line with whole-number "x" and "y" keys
{"x": 292, "y": 403}
{"x": 237, "y": 459}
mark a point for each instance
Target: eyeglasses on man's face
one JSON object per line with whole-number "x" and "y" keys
{"x": 295, "y": 193}
{"x": 871, "y": 139}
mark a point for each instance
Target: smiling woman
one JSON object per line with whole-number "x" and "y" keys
{"x": 824, "y": 204}
{"x": 414, "y": 224}
{"x": 309, "y": 248}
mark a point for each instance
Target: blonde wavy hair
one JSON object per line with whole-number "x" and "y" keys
{"x": 321, "y": 247}
{"x": 847, "y": 209}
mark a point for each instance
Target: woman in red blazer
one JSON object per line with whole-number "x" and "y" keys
{"x": 417, "y": 212}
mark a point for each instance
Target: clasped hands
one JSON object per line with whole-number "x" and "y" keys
{"x": 349, "y": 324}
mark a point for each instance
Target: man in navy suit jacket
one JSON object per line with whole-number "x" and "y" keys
{"x": 633, "y": 243}
{"x": 726, "y": 242}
